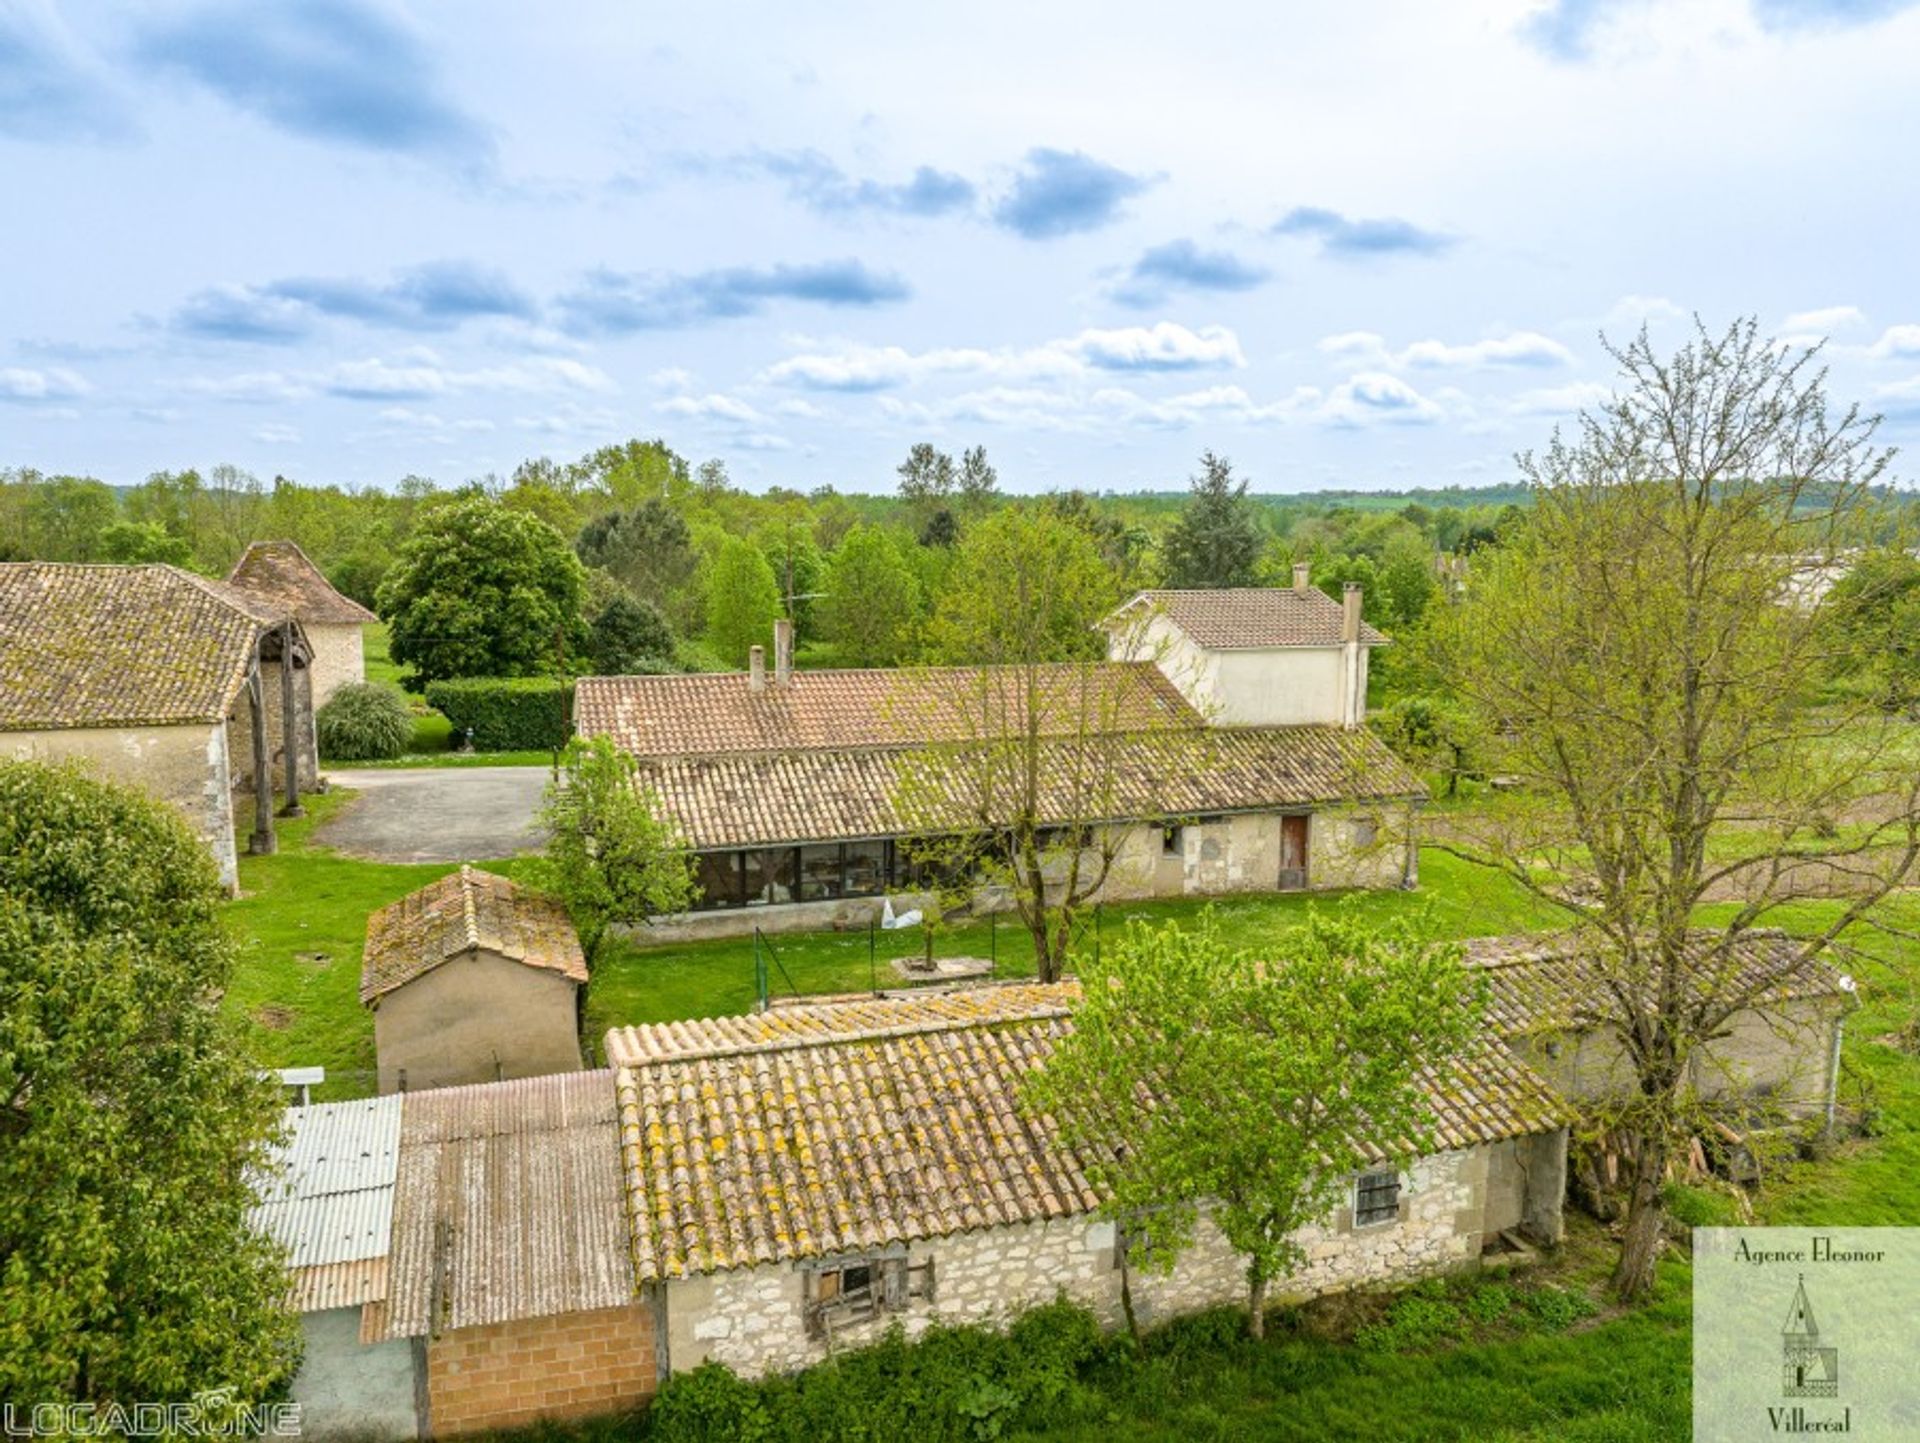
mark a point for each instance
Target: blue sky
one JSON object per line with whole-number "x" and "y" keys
{"x": 1363, "y": 245}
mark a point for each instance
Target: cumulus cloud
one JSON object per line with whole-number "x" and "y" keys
{"x": 712, "y": 407}
{"x": 1896, "y": 343}
{"x": 1569, "y": 30}
{"x": 437, "y": 296}
{"x": 1560, "y": 400}
{"x": 822, "y": 186}
{"x": 275, "y": 433}
{"x": 335, "y": 70}
{"x": 1162, "y": 347}
{"x": 1517, "y": 349}
{"x": 1353, "y": 239}
{"x": 48, "y": 90}
{"x": 612, "y": 303}
{"x": 28, "y": 386}
{"x": 1376, "y": 398}
{"x": 1822, "y": 322}
{"x": 1181, "y": 265}
{"x": 246, "y": 388}
{"x": 421, "y": 375}
{"x": 1061, "y": 192}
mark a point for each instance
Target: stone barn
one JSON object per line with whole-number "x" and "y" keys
{"x": 473, "y": 978}
{"x": 800, "y": 1179}
{"x": 279, "y": 575}
{"x": 161, "y": 679}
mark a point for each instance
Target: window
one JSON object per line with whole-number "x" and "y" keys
{"x": 848, "y": 1291}
{"x": 820, "y": 873}
{"x": 1172, "y": 841}
{"x": 769, "y": 876}
{"x": 1376, "y": 1199}
{"x": 717, "y": 874}
{"x": 866, "y": 868}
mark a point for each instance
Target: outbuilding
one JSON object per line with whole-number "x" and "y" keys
{"x": 279, "y": 575}
{"x": 473, "y": 978}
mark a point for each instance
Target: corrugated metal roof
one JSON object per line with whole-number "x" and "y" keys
{"x": 339, "y": 1285}
{"x": 330, "y": 1195}
{"x": 509, "y": 1204}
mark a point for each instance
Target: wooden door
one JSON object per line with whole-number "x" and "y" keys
{"x": 1293, "y": 853}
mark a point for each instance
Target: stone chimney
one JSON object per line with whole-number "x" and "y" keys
{"x": 757, "y": 668}
{"x": 782, "y": 652}
{"x": 1350, "y": 613}
{"x": 1301, "y": 571}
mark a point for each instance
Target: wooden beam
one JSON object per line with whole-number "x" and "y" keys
{"x": 263, "y": 842}
{"x": 289, "y": 724}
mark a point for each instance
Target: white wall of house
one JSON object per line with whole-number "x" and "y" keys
{"x": 347, "y": 1389}
{"x": 1265, "y": 686}
{"x": 187, "y": 766}
{"x": 339, "y": 656}
{"x": 753, "y": 1319}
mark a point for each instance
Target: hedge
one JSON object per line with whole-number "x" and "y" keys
{"x": 507, "y": 713}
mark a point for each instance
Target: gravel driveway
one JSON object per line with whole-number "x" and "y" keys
{"x": 436, "y": 814}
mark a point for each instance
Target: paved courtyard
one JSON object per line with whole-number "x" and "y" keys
{"x": 436, "y": 814}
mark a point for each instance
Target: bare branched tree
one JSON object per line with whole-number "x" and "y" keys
{"x": 1651, "y": 651}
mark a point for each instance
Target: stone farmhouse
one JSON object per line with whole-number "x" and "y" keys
{"x": 278, "y": 574}
{"x": 1234, "y": 767}
{"x": 473, "y": 978}
{"x": 185, "y": 687}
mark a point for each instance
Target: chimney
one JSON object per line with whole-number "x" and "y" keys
{"x": 1301, "y": 570}
{"x": 1350, "y": 615}
{"x": 782, "y": 652}
{"x": 757, "y": 668}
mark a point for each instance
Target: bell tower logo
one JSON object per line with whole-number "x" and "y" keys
{"x": 1807, "y": 1370}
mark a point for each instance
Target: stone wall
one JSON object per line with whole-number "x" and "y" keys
{"x": 306, "y": 743}
{"x": 186, "y": 766}
{"x": 753, "y": 1319}
{"x": 339, "y": 657}
{"x": 347, "y": 1389}
{"x": 508, "y": 1375}
{"x": 477, "y": 1018}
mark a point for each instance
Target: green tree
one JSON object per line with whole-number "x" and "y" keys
{"x": 977, "y": 486}
{"x": 65, "y": 516}
{"x": 1633, "y": 639}
{"x": 131, "y": 542}
{"x": 1026, "y": 588}
{"x": 131, "y": 1117}
{"x": 743, "y": 601}
{"x": 611, "y": 858}
{"x": 926, "y": 478}
{"x": 629, "y": 637}
{"x": 1876, "y": 612}
{"x": 1200, "y": 1079}
{"x": 1217, "y": 540}
{"x": 480, "y": 589}
{"x": 873, "y": 601}
{"x": 649, "y": 550}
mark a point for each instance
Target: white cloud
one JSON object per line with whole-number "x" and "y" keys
{"x": 1560, "y": 400}
{"x": 275, "y": 434}
{"x": 804, "y": 410}
{"x": 1162, "y": 347}
{"x": 1632, "y": 312}
{"x": 432, "y": 423}
{"x": 764, "y": 441}
{"x": 1522, "y": 349}
{"x": 671, "y": 378}
{"x": 1896, "y": 343}
{"x": 712, "y": 407}
{"x": 422, "y": 376}
{"x": 1822, "y": 322}
{"x": 56, "y": 383}
{"x": 246, "y": 387}
{"x": 1373, "y": 398}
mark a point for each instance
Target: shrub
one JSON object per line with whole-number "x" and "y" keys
{"x": 629, "y": 638}
{"x": 364, "y": 721}
{"x": 710, "y": 1404}
{"x": 1420, "y": 1319}
{"x": 507, "y": 714}
{"x": 1558, "y": 1308}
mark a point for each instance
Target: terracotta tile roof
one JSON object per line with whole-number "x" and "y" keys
{"x": 520, "y": 1181}
{"x": 720, "y": 713}
{"x": 1545, "y": 984}
{"x": 1253, "y": 616}
{"x": 839, "y": 1139}
{"x": 827, "y": 795}
{"x": 465, "y": 910}
{"x": 279, "y": 573}
{"x": 111, "y": 646}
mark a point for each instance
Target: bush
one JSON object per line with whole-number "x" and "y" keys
{"x": 1420, "y": 1319}
{"x": 629, "y": 638}
{"x": 507, "y": 714}
{"x": 364, "y": 721}
{"x": 1558, "y": 1308}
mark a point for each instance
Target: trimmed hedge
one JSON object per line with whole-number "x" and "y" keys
{"x": 507, "y": 713}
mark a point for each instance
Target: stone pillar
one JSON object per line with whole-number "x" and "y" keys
{"x": 289, "y": 724}
{"x": 262, "y": 842}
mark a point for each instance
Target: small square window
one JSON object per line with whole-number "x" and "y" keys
{"x": 1172, "y": 840}
{"x": 1376, "y": 1199}
{"x": 850, "y": 1291}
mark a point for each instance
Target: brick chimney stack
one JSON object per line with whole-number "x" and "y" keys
{"x": 757, "y": 668}
{"x": 1301, "y": 571}
{"x": 1350, "y": 613}
{"x": 782, "y": 651}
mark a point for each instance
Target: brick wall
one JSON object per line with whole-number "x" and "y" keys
{"x": 506, "y": 1375}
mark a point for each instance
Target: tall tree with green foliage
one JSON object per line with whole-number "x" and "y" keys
{"x": 649, "y": 550}
{"x": 743, "y": 601}
{"x": 926, "y": 477}
{"x": 873, "y": 602}
{"x": 1019, "y": 787}
{"x": 1218, "y": 539}
{"x": 612, "y": 857}
{"x": 1199, "y": 1078}
{"x": 1639, "y": 641}
{"x": 481, "y": 589}
{"x": 977, "y": 486}
{"x": 131, "y": 1117}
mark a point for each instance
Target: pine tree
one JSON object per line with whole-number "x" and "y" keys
{"x": 1217, "y": 540}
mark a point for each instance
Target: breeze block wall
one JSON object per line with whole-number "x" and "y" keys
{"x": 508, "y": 1375}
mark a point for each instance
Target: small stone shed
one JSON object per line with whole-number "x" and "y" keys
{"x": 279, "y": 575}
{"x": 511, "y": 1276}
{"x": 162, "y": 679}
{"x": 799, "y": 1179}
{"x": 1551, "y": 1002}
{"x": 328, "y": 1199}
{"x": 473, "y": 978}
